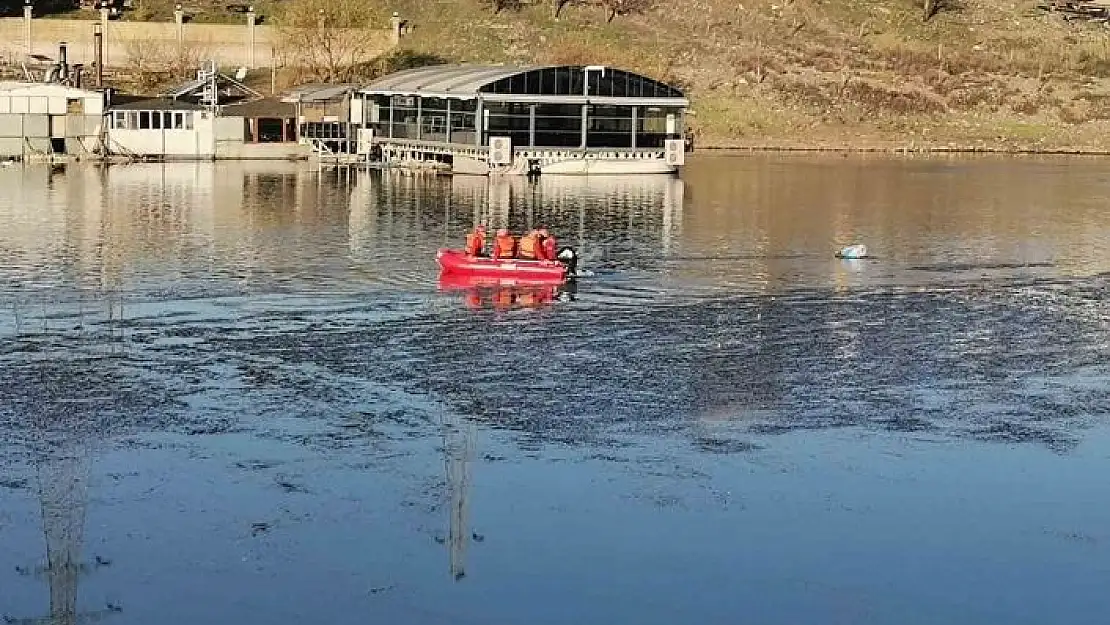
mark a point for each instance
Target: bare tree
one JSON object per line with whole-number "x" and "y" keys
{"x": 613, "y": 8}
{"x": 562, "y": 4}
{"x": 503, "y": 5}
{"x": 929, "y": 9}
{"x": 152, "y": 61}
{"x": 327, "y": 37}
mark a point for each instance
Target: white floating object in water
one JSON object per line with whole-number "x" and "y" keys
{"x": 853, "y": 251}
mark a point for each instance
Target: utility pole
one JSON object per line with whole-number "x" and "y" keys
{"x": 63, "y": 495}
{"x": 458, "y": 446}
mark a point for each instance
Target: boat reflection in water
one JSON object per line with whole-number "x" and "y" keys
{"x": 506, "y": 293}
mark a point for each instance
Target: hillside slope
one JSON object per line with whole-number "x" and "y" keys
{"x": 980, "y": 74}
{"x": 833, "y": 73}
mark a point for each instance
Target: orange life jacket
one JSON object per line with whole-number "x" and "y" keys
{"x": 504, "y": 247}
{"x": 529, "y": 248}
{"x": 549, "y": 247}
{"x": 475, "y": 243}
{"x": 503, "y": 299}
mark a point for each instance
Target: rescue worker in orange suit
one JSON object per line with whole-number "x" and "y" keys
{"x": 529, "y": 246}
{"x": 526, "y": 298}
{"x": 473, "y": 299}
{"x": 504, "y": 245}
{"x": 476, "y": 241}
{"x": 547, "y": 244}
{"x": 503, "y": 298}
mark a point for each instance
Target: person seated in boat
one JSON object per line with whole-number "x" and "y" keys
{"x": 476, "y": 241}
{"x": 547, "y": 244}
{"x": 529, "y": 246}
{"x": 504, "y": 244}
{"x": 503, "y": 298}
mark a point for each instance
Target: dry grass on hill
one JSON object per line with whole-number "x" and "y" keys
{"x": 781, "y": 72}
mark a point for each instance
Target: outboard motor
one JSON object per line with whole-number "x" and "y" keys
{"x": 567, "y": 291}
{"x": 569, "y": 258}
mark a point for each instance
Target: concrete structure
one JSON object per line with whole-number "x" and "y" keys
{"x": 211, "y": 117}
{"x": 46, "y": 119}
{"x": 267, "y": 120}
{"x": 164, "y": 129}
{"x": 323, "y": 114}
{"x": 259, "y": 129}
{"x": 241, "y": 45}
{"x": 161, "y": 128}
{"x": 517, "y": 120}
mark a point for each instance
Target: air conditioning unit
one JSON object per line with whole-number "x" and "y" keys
{"x": 500, "y": 151}
{"x": 365, "y": 140}
{"x": 675, "y": 152}
{"x": 356, "y": 111}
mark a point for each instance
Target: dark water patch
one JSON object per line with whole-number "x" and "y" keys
{"x": 577, "y": 377}
{"x": 957, "y": 267}
{"x": 911, "y": 423}
{"x": 257, "y": 465}
{"x": 1021, "y": 432}
{"x": 13, "y": 484}
{"x": 727, "y": 257}
{"x": 290, "y": 485}
{"x": 715, "y": 445}
{"x": 1077, "y": 538}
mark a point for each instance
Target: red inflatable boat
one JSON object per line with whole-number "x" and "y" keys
{"x": 458, "y": 263}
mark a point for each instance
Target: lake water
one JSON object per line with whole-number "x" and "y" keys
{"x": 238, "y": 393}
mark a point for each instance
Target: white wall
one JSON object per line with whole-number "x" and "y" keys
{"x": 43, "y": 98}
{"x": 170, "y": 143}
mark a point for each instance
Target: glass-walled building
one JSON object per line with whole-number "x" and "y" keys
{"x": 548, "y": 115}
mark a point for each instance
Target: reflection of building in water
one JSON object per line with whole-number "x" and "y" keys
{"x": 458, "y": 446}
{"x": 63, "y": 495}
{"x": 395, "y": 216}
{"x": 643, "y": 206}
{"x": 434, "y": 211}
{"x": 95, "y": 227}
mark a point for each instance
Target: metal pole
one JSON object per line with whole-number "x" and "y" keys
{"x": 28, "y": 15}
{"x": 531, "y": 125}
{"x": 179, "y": 20}
{"x": 634, "y": 120}
{"x": 104, "y": 30}
{"x": 251, "y": 20}
{"x": 585, "y": 121}
{"x": 479, "y": 122}
{"x": 448, "y": 120}
{"x": 98, "y": 54}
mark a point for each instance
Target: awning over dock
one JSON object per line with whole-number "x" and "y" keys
{"x": 562, "y": 83}
{"x": 557, "y": 106}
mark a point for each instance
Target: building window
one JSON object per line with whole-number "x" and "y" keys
{"x": 270, "y": 130}
{"x": 156, "y": 120}
{"x": 178, "y": 121}
{"x": 189, "y": 120}
{"x": 144, "y": 120}
{"x": 119, "y": 119}
{"x": 132, "y": 119}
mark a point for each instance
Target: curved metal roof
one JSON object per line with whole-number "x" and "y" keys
{"x": 463, "y": 80}
{"x": 513, "y": 82}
